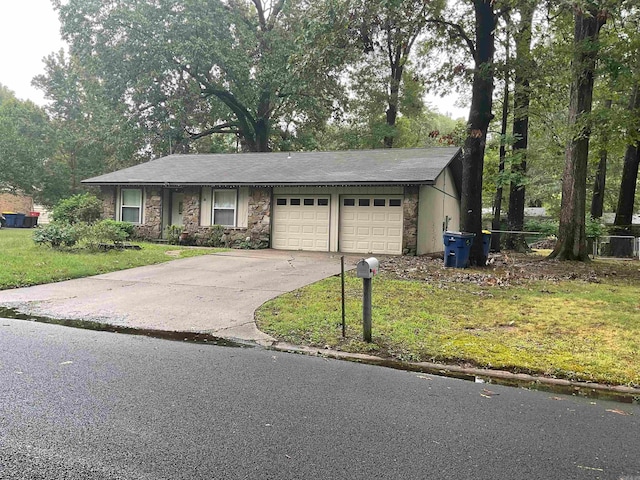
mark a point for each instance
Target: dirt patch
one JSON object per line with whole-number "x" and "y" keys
{"x": 510, "y": 268}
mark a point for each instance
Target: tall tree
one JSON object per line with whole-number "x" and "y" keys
{"x": 496, "y": 223}
{"x": 480, "y": 115}
{"x": 89, "y": 134}
{"x": 390, "y": 28}
{"x": 521, "y": 102}
{"x": 24, "y": 149}
{"x": 231, "y": 58}
{"x": 626, "y": 197}
{"x": 571, "y": 244}
{"x": 600, "y": 180}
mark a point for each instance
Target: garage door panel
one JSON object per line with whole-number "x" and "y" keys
{"x": 301, "y": 222}
{"x": 371, "y": 224}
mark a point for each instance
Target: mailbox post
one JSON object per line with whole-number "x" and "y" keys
{"x": 366, "y": 269}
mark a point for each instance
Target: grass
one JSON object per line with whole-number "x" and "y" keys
{"x": 23, "y": 263}
{"x": 562, "y": 327}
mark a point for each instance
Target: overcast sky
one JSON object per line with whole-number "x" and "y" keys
{"x": 31, "y": 31}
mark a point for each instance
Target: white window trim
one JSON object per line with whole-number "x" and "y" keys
{"x": 140, "y": 207}
{"x": 235, "y": 206}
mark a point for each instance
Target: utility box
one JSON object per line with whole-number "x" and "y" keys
{"x": 367, "y": 267}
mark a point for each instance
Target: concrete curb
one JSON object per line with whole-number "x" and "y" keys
{"x": 499, "y": 376}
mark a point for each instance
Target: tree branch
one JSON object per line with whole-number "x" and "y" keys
{"x": 222, "y": 128}
{"x": 458, "y": 30}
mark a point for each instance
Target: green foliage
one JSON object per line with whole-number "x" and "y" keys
{"x": 173, "y": 233}
{"x": 84, "y": 207}
{"x": 24, "y": 130}
{"x": 547, "y": 227}
{"x": 594, "y": 228}
{"x": 57, "y": 235}
{"x": 190, "y": 70}
{"x": 106, "y": 231}
{"x": 211, "y": 237}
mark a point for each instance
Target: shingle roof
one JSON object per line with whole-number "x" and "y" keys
{"x": 354, "y": 167}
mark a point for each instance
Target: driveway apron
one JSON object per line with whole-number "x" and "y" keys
{"x": 216, "y": 294}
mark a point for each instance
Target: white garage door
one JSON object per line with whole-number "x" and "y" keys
{"x": 371, "y": 224}
{"x": 301, "y": 222}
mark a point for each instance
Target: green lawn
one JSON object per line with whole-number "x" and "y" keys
{"x": 23, "y": 263}
{"x": 556, "y": 319}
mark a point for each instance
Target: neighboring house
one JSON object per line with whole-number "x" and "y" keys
{"x": 387, "y": 201}
{"x": 16, "y": 203}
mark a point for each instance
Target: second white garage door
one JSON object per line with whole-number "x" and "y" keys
{"x": 371, "y": 224}
{"x": 301, "y": 222}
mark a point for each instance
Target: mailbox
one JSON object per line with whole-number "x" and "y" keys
{"x": 367, "y": 267}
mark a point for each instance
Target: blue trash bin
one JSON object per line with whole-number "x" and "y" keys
{"x": 486, "y": 242}
{"x": 10, "y": 219}
{"x": 19, "y": 220}
{"x": 457, "y": 246}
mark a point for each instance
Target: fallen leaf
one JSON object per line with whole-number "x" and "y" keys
{"x": 556, "y": 398}
{"x": 68, "y": 362}
{"x": 619, "y": 412}
{"x": 425, "y": 378}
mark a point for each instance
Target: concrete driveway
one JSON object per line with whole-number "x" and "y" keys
{"x": 216, "y": 294}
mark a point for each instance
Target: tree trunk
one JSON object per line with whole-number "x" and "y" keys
{"x": 572, "y": 242}
{"x": 479, "y": 117}
{"x": 497, "y": 202}
{"x": 626, "y": 197}
{"x": 394, "y": 96}
{"x": 597, "y": 200}
{"x": 521, "y": 101}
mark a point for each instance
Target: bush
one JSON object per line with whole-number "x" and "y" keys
{"x": 83, "y": 207}
{"x": 212, "y": 236}
{"x": 106, "y": 231}
{"x": 546, "y": 227}
{"x": 57, "y": 235}
{"x": 173, "y": 234}
{"x": 594, "y": 228}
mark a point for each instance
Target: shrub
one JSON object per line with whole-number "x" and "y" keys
{"x": 83, "y": 207}
{"x": 212, "y": 236}
{"x": 106, "y": 231}
{"x": 547, "y": 227}
{"x": 594, "y": 228}
{"x": 57, "y": 235}
{"x": 173, "y": 234}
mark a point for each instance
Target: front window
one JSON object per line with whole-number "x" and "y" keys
{"x": 224, "y": 207}
{"x": 131, "y": 205}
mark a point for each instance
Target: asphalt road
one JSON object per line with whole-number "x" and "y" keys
{"x": 78, "y": 404}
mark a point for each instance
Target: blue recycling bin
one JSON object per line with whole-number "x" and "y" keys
{"x": 457, "y": 246}
{"x": 486, "y": 242}
{"x": 19, "y": 220}
{"x": 10, "y": 219}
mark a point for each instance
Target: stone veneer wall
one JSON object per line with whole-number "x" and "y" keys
{"x": 191, "y": 209}
{"x": 108, "y": 197}
{"x": 255, "y": 235}
{"x": 152, "y": 227}
{"x": 410, "y": 220}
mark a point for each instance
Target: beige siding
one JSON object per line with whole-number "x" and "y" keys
{"x": 243, "y": 207}
{"x": 206, "y": 206}
{"x": 436, "y": 204}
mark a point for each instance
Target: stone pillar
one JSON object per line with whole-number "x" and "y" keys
{"x": 153, "y": 212}
{"x": 259, "y": 222}
{"x": 410, "y": 220}
{"x": 191, "y": 209}
{"x": 108, "y": 197}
